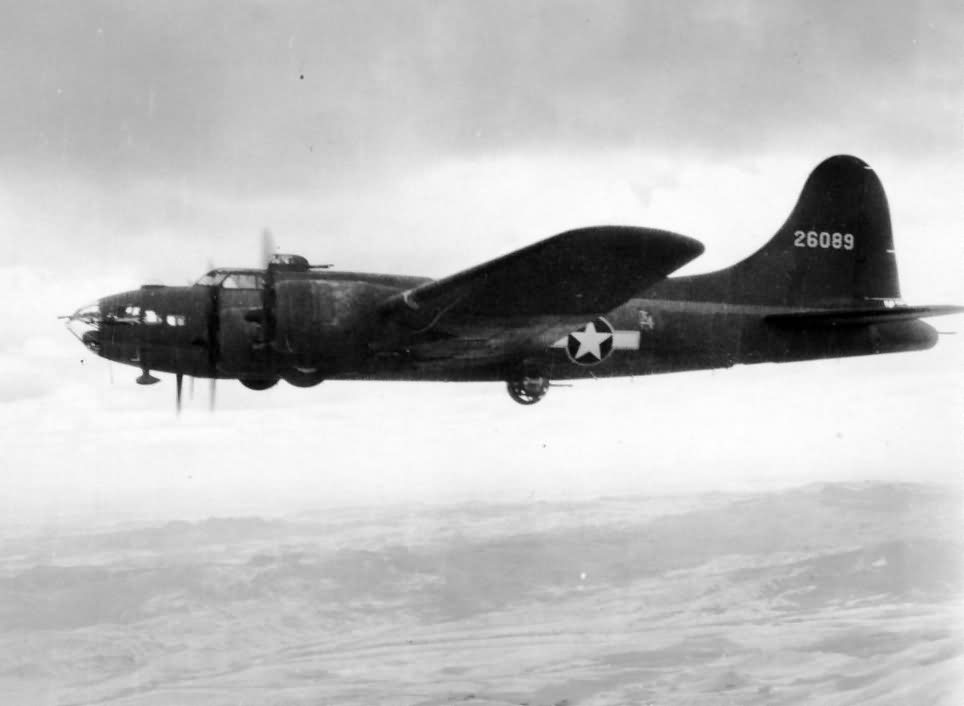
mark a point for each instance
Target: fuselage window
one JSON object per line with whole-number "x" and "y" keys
{"x": 176, "y": 320}
{"x": 151, "y": 317}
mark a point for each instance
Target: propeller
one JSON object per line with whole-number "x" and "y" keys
{"x": 267, "y": 252}
{"x": 268, "y": 248}
{"x": 179, "y": 390}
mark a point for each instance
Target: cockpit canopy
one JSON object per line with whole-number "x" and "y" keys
{"x": 232, "y": 279}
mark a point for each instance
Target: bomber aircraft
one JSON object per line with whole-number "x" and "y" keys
{"x": 591, "y": 302}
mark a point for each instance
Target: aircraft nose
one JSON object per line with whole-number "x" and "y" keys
{"x": 85, "y": 325}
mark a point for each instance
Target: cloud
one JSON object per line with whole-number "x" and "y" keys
{"x": 140, "y": 140}
{"x": 143, "y": 129}
{"x": 276, "y": 98}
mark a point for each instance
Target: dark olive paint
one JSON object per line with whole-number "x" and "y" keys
{"x": 825, "y": 286}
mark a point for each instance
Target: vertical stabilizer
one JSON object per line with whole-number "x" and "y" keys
{"x": 835, "y": 249}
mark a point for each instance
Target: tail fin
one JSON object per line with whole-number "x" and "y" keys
{"x": 836, "y": 248}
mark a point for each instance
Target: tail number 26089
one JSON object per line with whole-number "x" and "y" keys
{"x": 823, "y": 240}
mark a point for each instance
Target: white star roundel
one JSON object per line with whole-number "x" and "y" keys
{"x": 591, "y": 344}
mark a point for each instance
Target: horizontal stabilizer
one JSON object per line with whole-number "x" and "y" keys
{"x": 857, "y": 317}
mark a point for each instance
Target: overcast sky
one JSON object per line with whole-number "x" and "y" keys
{"x": 138, "y": 141}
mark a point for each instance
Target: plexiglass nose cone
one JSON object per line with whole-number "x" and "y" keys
{"x": 85, "y": 325}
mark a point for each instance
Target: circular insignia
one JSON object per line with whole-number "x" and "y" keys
{"x": 591, "y": 344}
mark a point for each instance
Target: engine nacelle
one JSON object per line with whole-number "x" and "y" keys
{"x": 321, "y": 323}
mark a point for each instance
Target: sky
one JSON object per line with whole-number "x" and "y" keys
{"x": 141, "y": 141}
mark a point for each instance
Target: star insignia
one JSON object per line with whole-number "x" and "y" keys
{"x": 591, "y": 344}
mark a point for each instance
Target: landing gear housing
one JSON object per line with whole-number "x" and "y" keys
{"x": 259, "y": 383}
{"x": 303, "y": 377}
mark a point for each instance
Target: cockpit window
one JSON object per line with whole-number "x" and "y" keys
{"x": 212, "y": 278}
{"x": 243, "y": 280}
{"x": 232, "y": 280}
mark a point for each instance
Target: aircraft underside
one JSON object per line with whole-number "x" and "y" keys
{"x": 744, "y": 344}
{"x": 644, "y": 337}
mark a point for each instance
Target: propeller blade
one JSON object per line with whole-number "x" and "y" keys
{"x": 179, "y": 386}
{"x": 190, "y": 389}
{"x": 211, "y": 392}
{"x": 267, "y": 247}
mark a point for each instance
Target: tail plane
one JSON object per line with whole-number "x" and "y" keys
{"x": 833, "y": 257}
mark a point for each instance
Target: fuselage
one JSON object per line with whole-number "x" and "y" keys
{"x": 206, "y": 330}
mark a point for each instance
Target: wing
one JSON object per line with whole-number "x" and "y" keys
{"x": 581, "y": 272}
{"x": 532, "y": 296}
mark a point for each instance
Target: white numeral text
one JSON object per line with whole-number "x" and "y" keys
{"x": 823, "y": 240}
